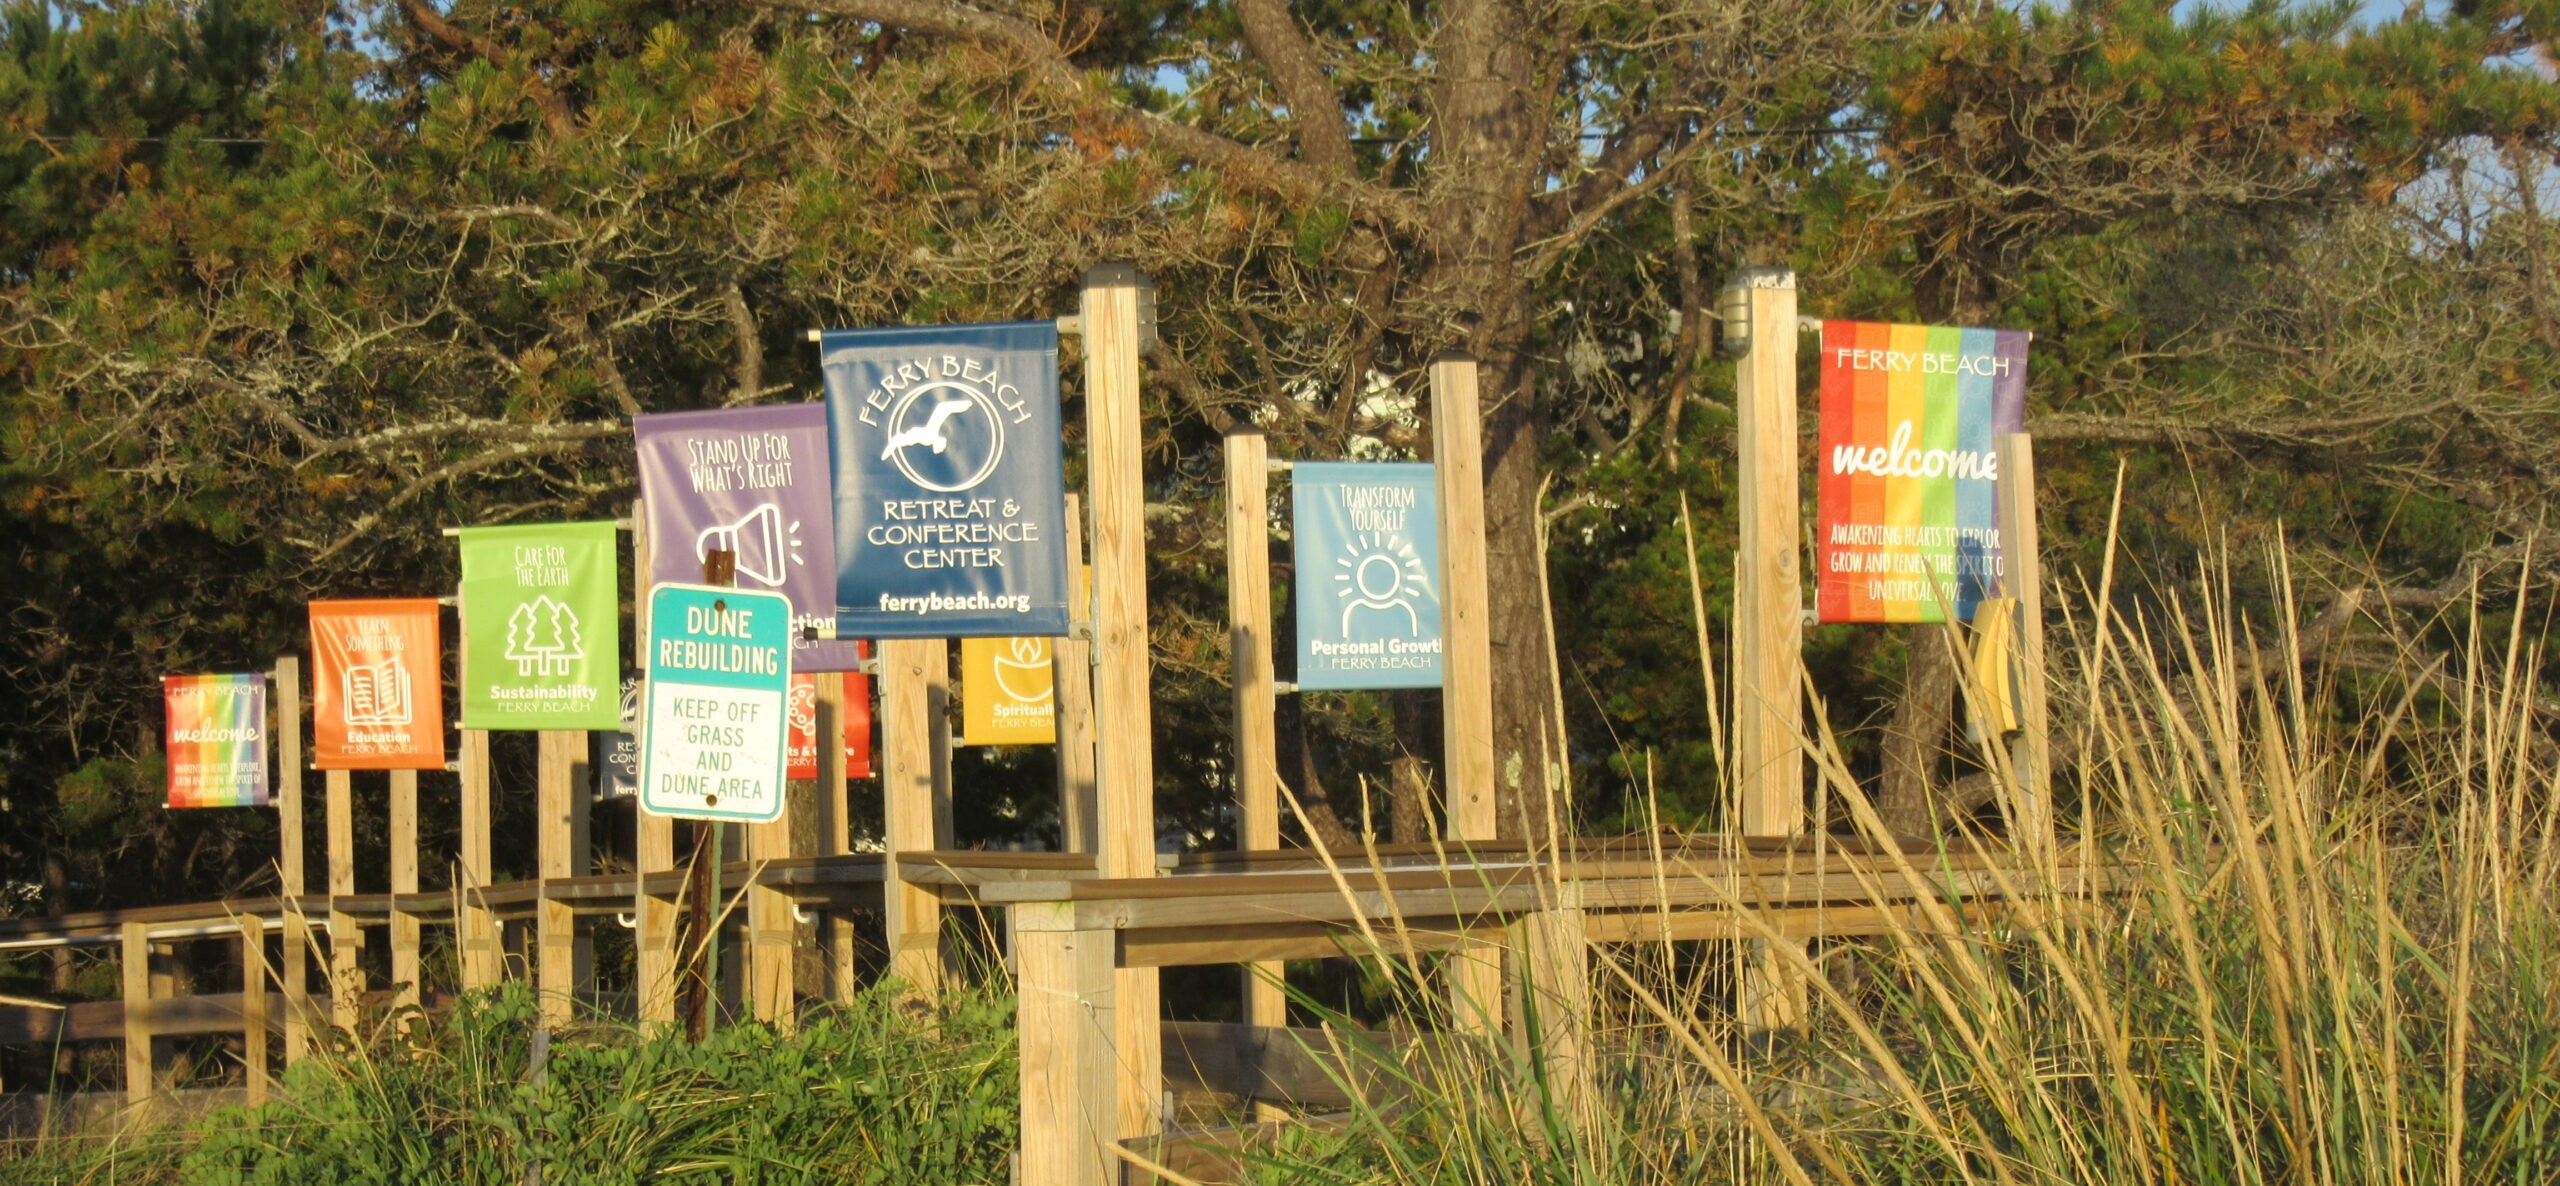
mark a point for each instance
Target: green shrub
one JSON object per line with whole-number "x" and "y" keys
{"x": 874, "y": 1091}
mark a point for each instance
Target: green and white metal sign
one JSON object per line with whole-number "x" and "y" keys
{"x": 711, "y": 734}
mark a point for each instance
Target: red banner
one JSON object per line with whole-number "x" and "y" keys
{"x": 377, "y": 688}
{"x": 800, "y": 739}
{"x": 857, "y": 721}
{"x": 800, "y": 743}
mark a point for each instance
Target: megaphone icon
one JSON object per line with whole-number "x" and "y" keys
{"x": 766, "y": 547}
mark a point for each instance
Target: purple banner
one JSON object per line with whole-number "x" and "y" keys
{"x": 754, "y": 481}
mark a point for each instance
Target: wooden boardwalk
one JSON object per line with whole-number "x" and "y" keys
{"x": 1067, "y": 934}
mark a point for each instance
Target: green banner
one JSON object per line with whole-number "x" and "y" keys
{"x": 541, "y": 627}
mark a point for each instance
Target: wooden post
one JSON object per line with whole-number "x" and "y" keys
{"x": 484, "y": 963}
{"x": 1072, "y": 662}
{"x": 729, "y": 975}
{"x": 1249, "y": 638}
{"x": 1466, "y": 685}
{"x": 253, "y": 1007}
{"x": 835, "y": 825}
{"x": 806, "y": 818}
{"x": 912, "y": 779}
{"x": 346, "y": 939}
{"x": 656, "y": 936}
{"x": 1124, "y": 723}
{"x": 2023, "y": 578}
{"x": 164, "y": 970}
{"x": 782, "y": 952}
{"x": 404, "y": 880}
{"x": 937, "y": 715}
{"x": 1556, "y": 984}
{"x": 1066, "y": 1019}
{"x": 699, "y": 1004}
{"x": 705, "y": 988}
{"x": 290, "y": 866}
{"x": 1768, "y": 593}
{"x": 140, "y": 1070}
{"x": 561, "y": 835}
{"x": 582, "y": 850}
{"x": 1769, "y": 610}
{"x": 1248, "y": 459}
{"x": 771, "y": 972}
{"x": 1466, "y": 692}
{"x": 653, "y": 939}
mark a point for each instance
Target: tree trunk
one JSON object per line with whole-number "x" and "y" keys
{"x": 1496, "y": 70}
{"x": 1408, "y": 803}
{"x": 57, "y": 897}
{"x": 1411, "y": 807}
{"x": 1299, "y": 777}
{"x": 809, "y": 968}
{"x": 1526, "y": 755}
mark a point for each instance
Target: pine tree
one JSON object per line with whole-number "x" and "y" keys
{"x": 520, "y": 644}
{"x": 566, "y": 643}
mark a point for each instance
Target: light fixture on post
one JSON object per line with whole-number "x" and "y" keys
{"x": 1110, "y": 272}
{"x": 1733, "y": 311}
{"x": 1733, "y": 304}
{"x": 1147, "y": 336}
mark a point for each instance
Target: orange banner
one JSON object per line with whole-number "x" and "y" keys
{"x": 377, "y": 686}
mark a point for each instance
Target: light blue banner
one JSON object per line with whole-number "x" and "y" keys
{"x": 1368, "y": 542}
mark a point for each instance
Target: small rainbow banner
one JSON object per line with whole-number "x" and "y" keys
{"x": 1908, "y": 527}
{"x": 217, "y": 740}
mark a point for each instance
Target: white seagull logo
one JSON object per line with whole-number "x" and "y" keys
{"x": 928, "y": 433}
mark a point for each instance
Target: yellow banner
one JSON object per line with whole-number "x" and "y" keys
{"x": 1008, "y": 692}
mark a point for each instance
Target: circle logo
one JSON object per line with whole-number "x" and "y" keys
{"x": 944, "y": 436}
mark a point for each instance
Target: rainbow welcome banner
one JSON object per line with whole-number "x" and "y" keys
{"x": 217, "y": 740}
{"x": 1908, "y": 526}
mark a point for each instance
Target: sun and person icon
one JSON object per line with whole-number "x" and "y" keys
{"x": 1381, "y": 574}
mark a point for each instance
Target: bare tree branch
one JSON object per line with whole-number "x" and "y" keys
{"x": 747, "y": 337}
{"x": 472, "y": 428}
{"x": 1239, "y": 163}
{"x": 1324, "y": 139}
{"x": 555, "y": 111}
{"x": 473, "y": 464}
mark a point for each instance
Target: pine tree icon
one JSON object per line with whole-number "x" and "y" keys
{"x": 520, "y": 640}
{"x": 566, "y": 644}
{"x": 543, "y": 638}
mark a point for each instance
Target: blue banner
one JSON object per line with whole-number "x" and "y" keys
{"x": 950, "y": 481}
{"x": 617, "y": 756}
{"x": 1368, "y": 541}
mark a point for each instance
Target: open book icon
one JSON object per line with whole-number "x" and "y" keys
{"x": 377, "y": 694}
